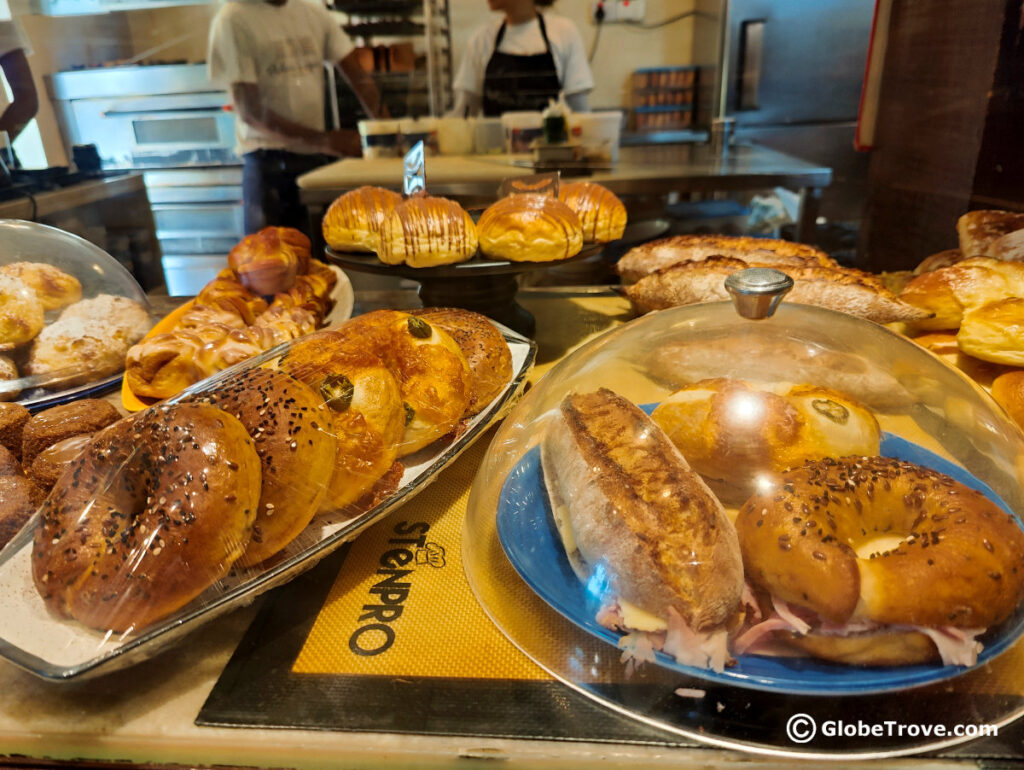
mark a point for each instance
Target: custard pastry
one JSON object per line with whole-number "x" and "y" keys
{"x": 354, "y": 220}
{"x": 427, "y": 231}
{"x": 54, "y": 287}
{"x": 601, "y": 213}
{"x": 530, "y": 228}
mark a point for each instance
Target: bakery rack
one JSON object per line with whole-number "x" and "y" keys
{"x": 406, "y": 44}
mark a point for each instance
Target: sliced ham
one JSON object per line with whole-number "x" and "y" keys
{"x": 957, "y": 646}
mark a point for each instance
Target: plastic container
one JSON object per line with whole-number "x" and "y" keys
{"x": 599, "y": 134}
{"x": 488, "y": 136}
{"x": 455, "y": 136}
{"x": 76, "y": 338}
{"x": 380, "y": 138}
{"x": 521, "y": 129}
{"x": 205, "y": 500}
{"x": 414, "y": 130}
{"x": 551, "y": 604}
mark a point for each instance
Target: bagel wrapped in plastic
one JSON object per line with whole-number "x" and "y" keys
{"x": 249, "y": 475}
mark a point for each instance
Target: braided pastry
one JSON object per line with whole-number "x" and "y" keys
{"x": 228, "y": 323}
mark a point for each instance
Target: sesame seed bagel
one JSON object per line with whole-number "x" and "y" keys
{"x": 152, "y": 512}
{"x": 958, "y": 561}
{"x": 293, "y": 434}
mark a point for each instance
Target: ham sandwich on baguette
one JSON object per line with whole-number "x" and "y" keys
{"x": 627, "y": 504}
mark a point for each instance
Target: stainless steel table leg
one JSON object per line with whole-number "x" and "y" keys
{"x": 810, "y": 200}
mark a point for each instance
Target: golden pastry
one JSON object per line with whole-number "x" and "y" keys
{"x": 21, "y": 312}
{"x": 425, "y": 231}
{"x": 53, "y": 286}
{"x": 601, "y": 213}
{"x": 530, "y": 228}
{"x": 353, "y": 221}
{"x": 268, "y": 261}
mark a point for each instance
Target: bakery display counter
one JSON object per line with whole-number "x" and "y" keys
{"x": 647, "y": 170}
{"x": 111, "y": 211}
{"x": 318, "y": 674}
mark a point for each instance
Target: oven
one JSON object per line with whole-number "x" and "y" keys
{"x": 171, "y": 123}
{"x": 156, "y": 132}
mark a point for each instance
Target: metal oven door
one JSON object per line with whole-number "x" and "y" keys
{"x": 172, "y": 130}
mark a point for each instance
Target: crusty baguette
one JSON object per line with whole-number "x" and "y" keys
{"x": 633, "y": 504}
{"x": 843, "y": 289}
{"x": 650, "y": 257}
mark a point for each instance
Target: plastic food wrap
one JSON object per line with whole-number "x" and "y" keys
{"x": 804, "y": 505}
{"x": 69, "y": 312}
{"x": 186, "y": 509}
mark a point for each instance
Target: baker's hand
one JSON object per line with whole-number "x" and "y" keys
{"x": 342, "y": 142}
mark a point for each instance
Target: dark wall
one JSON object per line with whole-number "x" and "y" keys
{"x": 943, "y": 130}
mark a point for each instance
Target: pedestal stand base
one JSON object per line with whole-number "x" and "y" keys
{"x": 492, "y": 295}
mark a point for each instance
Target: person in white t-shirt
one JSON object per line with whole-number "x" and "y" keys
{"x": 270, "y": 56}
{"x": 14, "y": 50}
{"x": 521, "y": 61}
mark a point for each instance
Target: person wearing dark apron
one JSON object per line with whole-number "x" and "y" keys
{"x": 514, "y": 83}
{"x": 522, "y": 62}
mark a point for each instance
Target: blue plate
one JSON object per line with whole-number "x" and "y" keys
{"x": 526, "y": 531}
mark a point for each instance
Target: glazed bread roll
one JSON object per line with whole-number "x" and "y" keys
{"x": 1008, "y": 391}
{"x": 485, "y": 349}
{"x": 978, "y": 230}
{"x": 353, "y": 221}
{"x": 994, "y": 331}
{"x": 432, "y": 373}
{"x": 1009, "y": 247}
{"x": 165, "y": 364}
{"x": 53, "y": 286}
{"x": 21, "y": 312}
{"x": 529, "y": 228}
{"x": 229, "y": 294}
{"x": 426, "y": 231}
{"x": 184, "y": 483}
{"x": 268, "y": 261}
{"x": 293, "y": 434}
{"x": 624, "y": 497}
{"x": 948, "y": 292}
{"x": 939, "y": 260}
{"x": 652, "y": 256}
{"x": 734, "y": 432}
{"x": 365, "y": 404}
{"x": 810, "y": 539}
{"x": 601, "y": 213}
{"x": 842, "y": 289}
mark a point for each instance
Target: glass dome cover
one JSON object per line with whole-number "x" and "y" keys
{"x": 841, "y": 375}
{"x": 92, "y": 310}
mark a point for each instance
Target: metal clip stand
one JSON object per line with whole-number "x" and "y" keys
{"x": 414, "y": 178}
{"x": 757, "y": 291}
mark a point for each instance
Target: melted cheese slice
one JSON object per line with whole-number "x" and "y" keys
{"x": 639, "y": 619}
